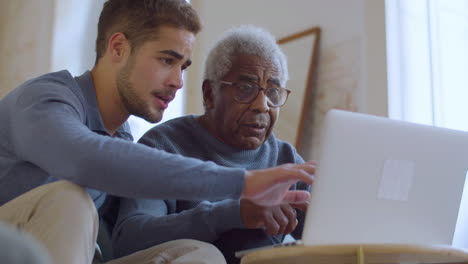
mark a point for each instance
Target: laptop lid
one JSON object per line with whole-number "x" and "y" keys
{"x": 386, "y": 181}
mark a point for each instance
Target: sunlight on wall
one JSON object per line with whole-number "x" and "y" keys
{"x": 75, "y": 31}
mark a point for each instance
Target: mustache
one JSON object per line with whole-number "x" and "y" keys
{"x": 165, "y": 93}
{"x": 262, "y": 119}
{"x": 169, "y": 95}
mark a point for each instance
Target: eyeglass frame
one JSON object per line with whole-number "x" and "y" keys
{"x": 255, "y": 97}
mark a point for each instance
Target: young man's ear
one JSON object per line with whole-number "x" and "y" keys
{"x": 207, "y": 94}
{"x": 118, "y": 47}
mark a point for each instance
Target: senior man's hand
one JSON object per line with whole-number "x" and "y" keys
{"x": 270, "y": 187}
{"x": 280, "y": 219}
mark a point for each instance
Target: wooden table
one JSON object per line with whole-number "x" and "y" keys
{"x": 357, "y": 254}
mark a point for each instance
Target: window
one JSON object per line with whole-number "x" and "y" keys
{"x": 428, "y": 61}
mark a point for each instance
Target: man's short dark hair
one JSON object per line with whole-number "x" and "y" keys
{"x": 140, "y": 19}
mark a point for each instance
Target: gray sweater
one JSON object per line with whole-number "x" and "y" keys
{"x": 51, "y": 129}
{"x": 144, "y": 223}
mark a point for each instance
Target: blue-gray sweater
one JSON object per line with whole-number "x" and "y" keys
{"x": 51, "y": 129}
{"x": 144, "y": 223}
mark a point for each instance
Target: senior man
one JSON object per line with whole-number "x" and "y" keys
{"x": 243, "y": 90}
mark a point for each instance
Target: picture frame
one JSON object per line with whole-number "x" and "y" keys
{"x": 301, "y": 50}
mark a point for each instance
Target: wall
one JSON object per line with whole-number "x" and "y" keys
{"x": 38, "y": 37}
{"x": 352, "y": 64}
{"x": 50, "y": 35}
{"x": 74, "y": 35}
{"x": 25, "y": 44}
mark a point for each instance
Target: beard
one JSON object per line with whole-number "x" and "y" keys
{"x": 134, "y": 104}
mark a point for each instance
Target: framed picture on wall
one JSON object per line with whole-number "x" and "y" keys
{"x": 301, "y": 51}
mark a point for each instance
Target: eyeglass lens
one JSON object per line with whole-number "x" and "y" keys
{"x": 246, "y": 93}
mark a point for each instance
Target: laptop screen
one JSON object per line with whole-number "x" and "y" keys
{"x": 386, "y": 181}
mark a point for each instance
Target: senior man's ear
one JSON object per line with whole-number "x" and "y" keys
{"x": 207, "y": 94}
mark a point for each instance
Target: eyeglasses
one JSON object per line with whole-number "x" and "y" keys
{"x": 246, "y": 93}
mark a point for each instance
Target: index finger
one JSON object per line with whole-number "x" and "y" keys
{"x": 304, "y": 172}
{"x": 300, "y": 206}
{"x": 310, "y": 166}
{"x": 296, "y": 197}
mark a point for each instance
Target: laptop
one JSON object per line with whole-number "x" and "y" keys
{"x": 386, "y": 181}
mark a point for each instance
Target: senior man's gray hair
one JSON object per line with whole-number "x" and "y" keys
{"x": 244, "y": 39}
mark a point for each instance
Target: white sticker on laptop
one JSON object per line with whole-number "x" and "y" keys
{"x": 396, "y": 181}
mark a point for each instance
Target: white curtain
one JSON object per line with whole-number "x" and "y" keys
{"x": 428, "y": 61}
